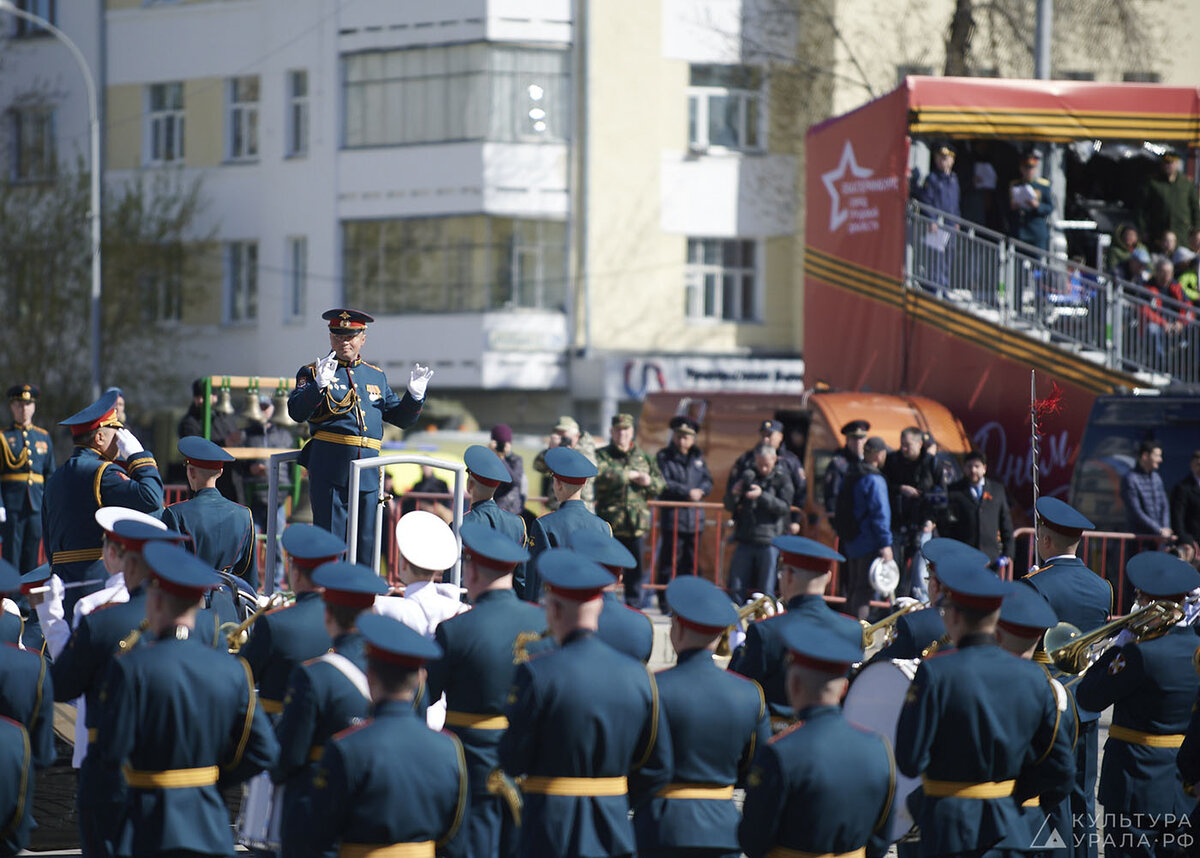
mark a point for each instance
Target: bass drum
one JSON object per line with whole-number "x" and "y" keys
{"x": 874, "y": 702}
{"x": 258, "y": 821}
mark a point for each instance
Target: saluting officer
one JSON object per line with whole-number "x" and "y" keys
{"x": 805, "y": 567}
{"x": 285, "y": 637}
{"x": 390, "y": 785}
{"x": 90, "y": 479}
{"x": 717, "y": 722}
{"x": 585, "y": 726}
{"x": 346, "y": 401}
{"x": 622, "y": 627}
{"x": 221, "y": 530}
{"x": 974, "y": 723}
{"x": 1082, "y": 598}
{"x": 325, "y": 694}
{"x": 1151, "y": 685}
{"x": 82, "y": 666}
{"x": 480, "y": 653}
{"x": 181, "y": 718}
{"x": 26, "y": 462}
{"x": 823, "y": 786}
{"x": 571, "y": 470}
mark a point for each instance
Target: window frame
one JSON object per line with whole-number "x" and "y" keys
{"x": 236, "y": 296}
{"x": 699, "y": 107}
{"x": 295, "y": 296}
{"x": 242, "y": 115}
{"x": 696, "y": 290}
{"x": 174, "y": 117}
{"x": 297, "y": 121}
{"x": 23, "y": 29}
{"x": 19, "y": 126}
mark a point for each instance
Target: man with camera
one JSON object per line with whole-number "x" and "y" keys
{"x": 567, "y": 434}
{"x": 759, "y": 499}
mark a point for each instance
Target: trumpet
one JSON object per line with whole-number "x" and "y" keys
{"x": 761, "y": 608}
{"x": 1072, "y": 651}
{"x": 236, "y": 634}
{"x": 888, "y": 622}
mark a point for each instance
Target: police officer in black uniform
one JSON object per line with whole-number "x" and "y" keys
{"x": 688, "y": 481}
{"x": 844, "y": 458}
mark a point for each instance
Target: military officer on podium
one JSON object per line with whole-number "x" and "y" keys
{"x": 1082, "y": 598}
{"x": 976, "y": 722}
{"x": 571, "y": 470}
{"x": 823, "y": 786}
{"x": 26, "y": 462}
{"x": 346, "y": 401}
{"x": 717, "y": 721}
{"x": 585, "y": 726}
{"x": 181, "y": 718}
{"x": 624, "y": 628}
{"x": 221, "y": 531}
{"x": 1151, "y": 685}
{"x": 390, "y": 785}
{"x": 285, "y": 637}
{"x": 325, "y": 694}
{"x": 480, "y": 652}
{"x": 92, "y": 478}
{"x": 805, "y": 567}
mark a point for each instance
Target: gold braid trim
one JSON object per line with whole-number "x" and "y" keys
{"x": 14, "y": 461}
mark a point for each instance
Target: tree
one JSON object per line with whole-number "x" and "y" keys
{"x": 45, "y": 276}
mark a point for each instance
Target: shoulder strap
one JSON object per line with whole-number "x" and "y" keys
{"x": 653, "y": 721}
{"x": 348, "y": 669}
{"x": 249, "y": 717}
{"x": 891, "y": 793}
{"x": 23, "y": 788}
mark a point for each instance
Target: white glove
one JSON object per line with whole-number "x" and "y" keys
{"x": 3, "y": 515}
{"x": 904, "y": 602}
{"x": 127, "y": 444}
{"x": 419, "y": 380}
{"x": 325, "y": 371}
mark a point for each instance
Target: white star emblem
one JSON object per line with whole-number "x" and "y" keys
{"x": 837, "y": 215}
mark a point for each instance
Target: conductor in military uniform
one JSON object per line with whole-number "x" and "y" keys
{"x": 823, "y": 786}
{"x": 480, "y": 653}
{"x": 346, "y": 401}
{"x": 390, "y": 785}
{"x": 585, "y": 727}
{"x": 1151, "y": 685}
{"x": 717, "y": 720}
{"x": 92, "y": 478}
{"x": 182, "y": 719}
{"x": 26, "y": 462}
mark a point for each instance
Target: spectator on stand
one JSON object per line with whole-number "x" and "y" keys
{"x": 1127, "y": 241}
{"x": 1030, "y": 204}
{"x": 510, "y": 497}
{"x": 1146, "y": 509}
{"x": 941, "y": 191}
{"x": 1168, "y": 243}
{"x": 1168, "y": 202}
{"x": 1135, "y": 269}
{"x": 687, "y": 478}
{"x": 1185, "y": 502}
{"x": 759, "y": 499}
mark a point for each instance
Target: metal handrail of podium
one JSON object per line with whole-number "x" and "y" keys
{"x": 356, "y": 470}
{"x": 377, "y": 462}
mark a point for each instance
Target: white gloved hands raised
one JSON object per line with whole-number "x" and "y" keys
{"x": 127, "y": 444}
{"x": 325, "y": 370}
{"x": 419, "y": 380}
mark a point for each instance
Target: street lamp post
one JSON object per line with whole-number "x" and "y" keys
{"x": 94, "y": 208}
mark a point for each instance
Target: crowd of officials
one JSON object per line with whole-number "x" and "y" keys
{"x": 523, "y": 720}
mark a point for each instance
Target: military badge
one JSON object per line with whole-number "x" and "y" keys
{"x": 1116, "y": 666}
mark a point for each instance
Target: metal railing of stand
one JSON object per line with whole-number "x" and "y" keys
{"x": 277, "y": 459}
{"x": 377, "y": 463}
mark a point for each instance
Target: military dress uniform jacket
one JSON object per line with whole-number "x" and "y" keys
{"x": 346, "y": 418}
{"x": 182, "y": 717}
{"x": 623, "y": 504}
{"x": 26, "y": 462}
{"x": 282, "y": 639}
{"x": 626, "y": 629}
{"x": 85, "y": 483}
{"x": 27, "y": 697}
{"x": 681, "y": 473}
{"x": 16, "y": 787}
{"x": 489, "y": 513}
{"x": 584, "y": 711}
{"x": 386, "y": 781}
{"x": 914, "y": 632}
{"x": 763, "y": 657}
{"x": 980, "y": 715}
{"x": 11, "y": 627}
{"x": 555, "y": 532}
{"x": 222, "y": 533}
{"x": 717, "y": 720}
{"x": 1151, "y": 686}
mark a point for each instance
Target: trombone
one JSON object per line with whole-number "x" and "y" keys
{"x": 889, "y": 623}
{"x": 236, "y": 634}
{"x": 761, "y": 608}
{"x": 1072, "y": 651}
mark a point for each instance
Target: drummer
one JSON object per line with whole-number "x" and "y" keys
{"x": 823, "y": 786}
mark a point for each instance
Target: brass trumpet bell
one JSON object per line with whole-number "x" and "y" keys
{"x": 1072, "y": 651}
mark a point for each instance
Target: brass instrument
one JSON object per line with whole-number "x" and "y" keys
{"x": 130, "y": 640}
{"x": 1072, "y": 651}
{"x": 761, "y": 608}
{"x": 889, "y": 623}
{"x": 236, "y": 634}
{"x": 935, "y": 646}
{"x": 502, "y": 785}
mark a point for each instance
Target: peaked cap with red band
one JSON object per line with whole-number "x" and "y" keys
{"x": 806, "y": 554}
{"x": 822, "y": 647}
{"x": 349, "y": 584}
{"x": 972, "y": 586}
{"x": 1026, "y": 613}
{"x": 700, "y": 605}
{"x": 485, "y": 466}
{"x": 604, "y": 549}
{"x": 390, "y": 641}
{"x": 1062, "y": 518}
{"x": 569, "y": 465}
{"x": 346, "y": 321}
{"x": 132, "y": 529}
{"x": 570, "y": 575}
{"x": 309, "y": 546}
{"x": 203, "y": 453}
{"x": 490, "y": 548}
{"x": 102, "y": 412}
{"x": 178, "y": 572}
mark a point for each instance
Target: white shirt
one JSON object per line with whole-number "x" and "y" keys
{"x": 114, "y": 591}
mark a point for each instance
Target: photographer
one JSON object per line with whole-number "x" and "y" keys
{"x": 567, "y": 434}
{"x": 759, "y": 500}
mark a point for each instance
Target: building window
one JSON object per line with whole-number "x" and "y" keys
{"x": 722, "y": 280}
{"x": 910, "y": 69}
{"x": 297, "y": 277}
{"x": 725, "y": 107}
{"x": 460, "y": 92}
{"x": 1076, "y": 75}
{"x": 243, "y": 118}
{"x": 1141, "y": 77}
{"x": 162, "y": 294}
{"x": 454, "y": 264}
{"x": 164, "y": 123}
{"x": 297, "y": 117}
{"x": 44, "y": 9}
{"x": 33, "y": 154}
{"x": 241, "y": 282}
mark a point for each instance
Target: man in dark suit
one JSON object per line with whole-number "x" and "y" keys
{"x": 978, "y": 512}
{"x": 1185, "y": 502}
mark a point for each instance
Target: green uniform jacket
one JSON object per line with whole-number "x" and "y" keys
{"x": 1168, "y": 206}
{"x": 625, "y": 505}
